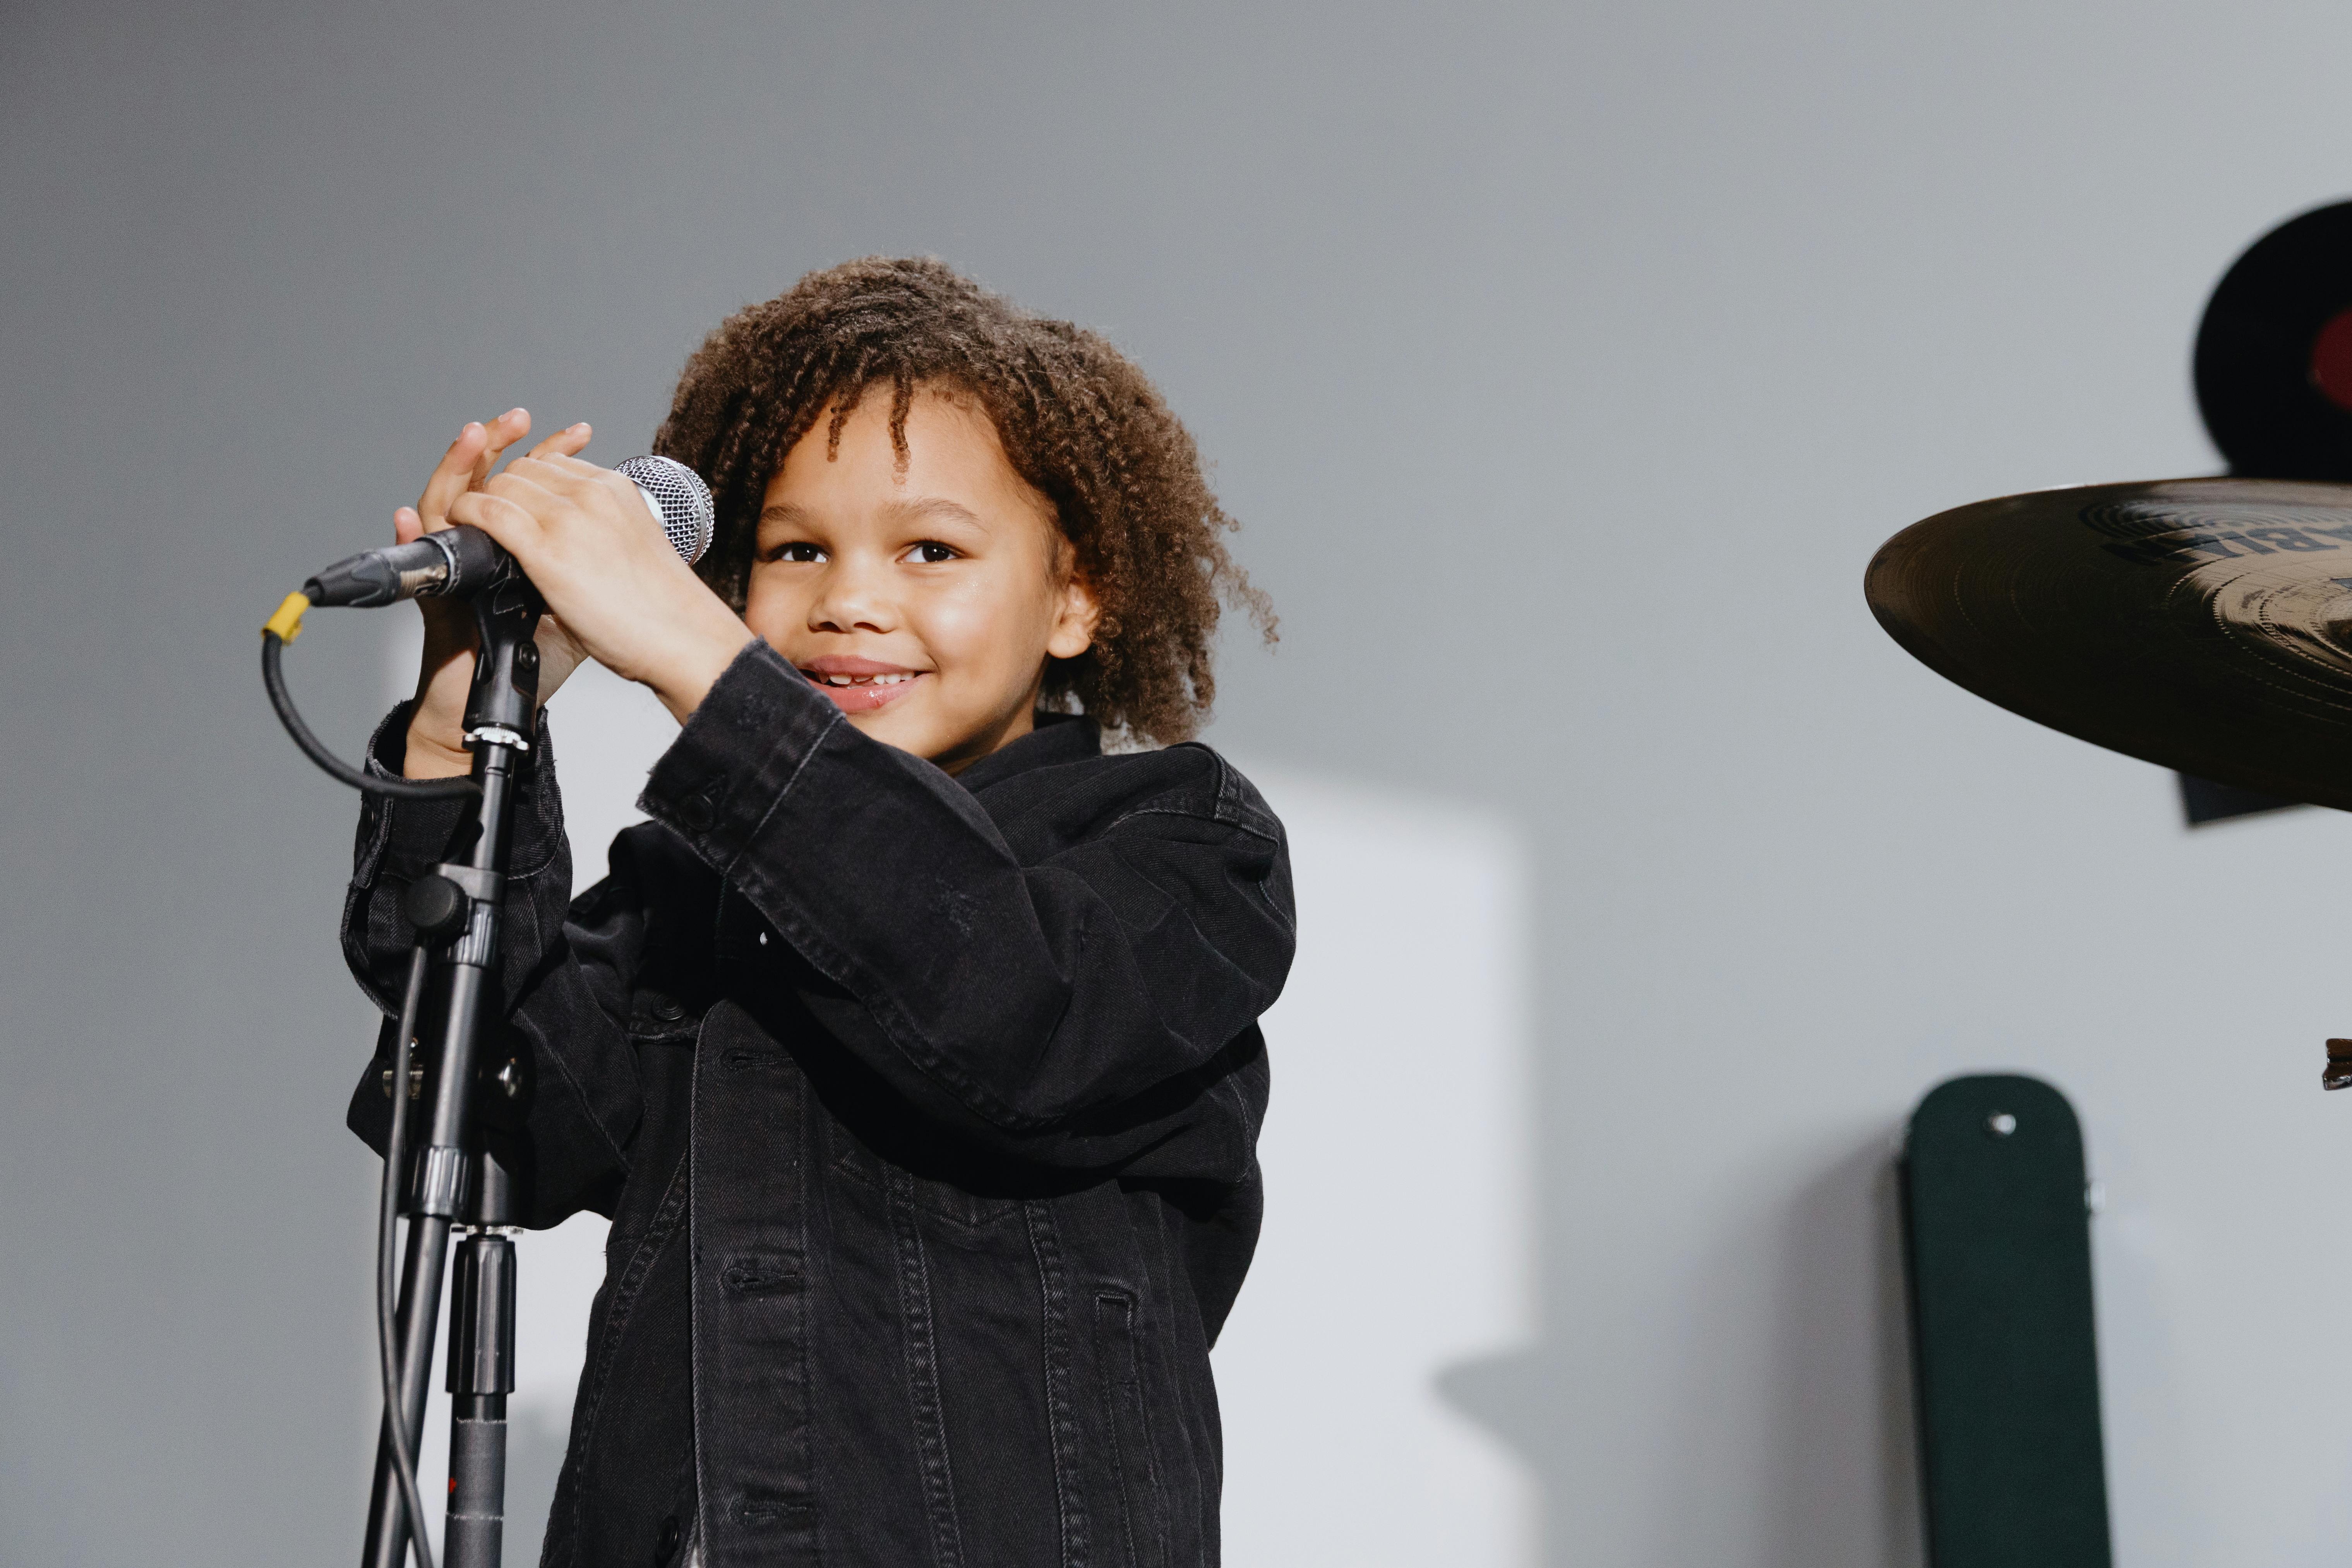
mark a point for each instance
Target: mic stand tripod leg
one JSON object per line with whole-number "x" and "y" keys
{"x": 455, "y": 1172}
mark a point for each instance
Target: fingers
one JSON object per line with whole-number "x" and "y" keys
{"x": 450, "y": 476}
{"x": 540, "y": 497}
{"x": 542, "y": 502}
{"x": 467, "y": 463}
{"x": 564, "y": 443}
{"x": 505, "y": 518}
{"x": 568, "y": 476}
{"x": 502, "y": 432}
{"x": 407, "y": 528}
{"x": 564, "y": 462}
{"x": 561, "y": 475}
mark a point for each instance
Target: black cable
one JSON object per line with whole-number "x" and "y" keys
{"x": 387, "y": 1224}
{"x": 273, "y": 676}
{"x": 395, "y": 1416}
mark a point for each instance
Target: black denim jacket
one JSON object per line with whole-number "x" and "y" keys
{"x": 925, "y": 1111}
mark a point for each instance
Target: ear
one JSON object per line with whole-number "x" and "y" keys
{"x": 1076, "y": 612}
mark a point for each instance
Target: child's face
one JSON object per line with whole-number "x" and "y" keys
{"x": 925, "y": 602}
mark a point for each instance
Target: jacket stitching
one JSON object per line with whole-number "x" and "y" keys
{"x": 776, "y": 801}
{"x": 1117, "y": 1344}
{"x": 695, "y": 1305}
{"x": 1251, "y": 827}
{"x": 980, "y": 1214}
{"x": 902, "y": 1029}
{"x": 1045, "y": 1246}
{"x": 917, "y": 1321}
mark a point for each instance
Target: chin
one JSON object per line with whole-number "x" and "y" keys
{"x": 907, "y": 731}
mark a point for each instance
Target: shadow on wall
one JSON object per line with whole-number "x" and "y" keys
{"x": 1838, "y": 1477}
{"x": 1842, "y": 1392}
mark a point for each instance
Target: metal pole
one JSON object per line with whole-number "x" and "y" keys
{"x": 452, "y": 1177}
{"x": 481, "y": 1375}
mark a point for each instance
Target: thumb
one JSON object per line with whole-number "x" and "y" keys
{"x": 407, "y": 528}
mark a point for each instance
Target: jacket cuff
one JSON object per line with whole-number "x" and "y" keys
{"x": 738, "y": 754}
{"x": 406, "y": 837}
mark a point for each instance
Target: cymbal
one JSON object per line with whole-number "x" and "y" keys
{"x": 2205, "y": 625}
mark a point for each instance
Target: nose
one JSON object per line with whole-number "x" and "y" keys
{"x": 853, "y": 596}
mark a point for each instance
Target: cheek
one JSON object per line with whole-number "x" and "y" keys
{"x": 983, "y": 624}
{"x": 770, "y": 607}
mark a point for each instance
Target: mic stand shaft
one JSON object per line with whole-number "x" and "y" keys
{"x": 461, "y": 1175}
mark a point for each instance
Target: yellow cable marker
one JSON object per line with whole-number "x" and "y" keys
{"x": 287, "y": 621}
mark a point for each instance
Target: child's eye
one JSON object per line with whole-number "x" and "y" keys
{"x": 930, "y": 552}
{"x": 799, "y": 550}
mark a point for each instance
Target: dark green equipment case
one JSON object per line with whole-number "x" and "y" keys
{"x": 1998, "y": 1250}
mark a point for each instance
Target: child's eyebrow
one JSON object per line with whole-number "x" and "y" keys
{"x": 937, "y": 508}
{"x": 924, "y": 510}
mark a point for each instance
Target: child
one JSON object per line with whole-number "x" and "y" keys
{"x": 912, "y": 1048}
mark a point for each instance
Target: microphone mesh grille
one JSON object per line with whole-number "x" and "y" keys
{"x": 681, "y": 498}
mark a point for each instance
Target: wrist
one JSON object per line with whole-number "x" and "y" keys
{"x": 693, "y": 665}
{"x": 430, "y": 757}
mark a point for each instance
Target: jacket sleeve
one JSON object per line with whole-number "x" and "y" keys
{"x": 1097, "y": 1006}
{"x": 564, "y": 976}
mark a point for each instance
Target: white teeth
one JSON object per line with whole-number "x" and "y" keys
{"x": 864, "y": 680}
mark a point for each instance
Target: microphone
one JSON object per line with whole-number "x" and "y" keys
{"x": 460, "y": 562}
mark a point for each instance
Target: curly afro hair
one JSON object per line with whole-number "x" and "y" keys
{"x": 1076, "y": 420}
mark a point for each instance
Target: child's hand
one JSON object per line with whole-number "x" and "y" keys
{"x": 591, "y": 545}
{"x": 436, "y": 729}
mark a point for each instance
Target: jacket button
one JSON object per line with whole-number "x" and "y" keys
{"x": 667, "y": 1547}
{"x": 696, "y": 813}
{"x": 668, "y": 1011}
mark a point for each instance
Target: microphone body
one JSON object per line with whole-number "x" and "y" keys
{"x": 458, "y": 562}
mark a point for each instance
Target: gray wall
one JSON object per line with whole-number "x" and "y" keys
{"x": 1565, "y": 365}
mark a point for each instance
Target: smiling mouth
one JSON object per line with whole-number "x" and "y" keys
{"x": 896, "y": 679}
{"x": 864, "y": 693}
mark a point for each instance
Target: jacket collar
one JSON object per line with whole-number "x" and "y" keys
{"x": 1058, "y": 738}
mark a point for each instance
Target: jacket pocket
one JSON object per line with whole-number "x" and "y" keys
{"x": 1142, "y": 1539}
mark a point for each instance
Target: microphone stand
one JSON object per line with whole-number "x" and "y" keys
{"x": 465, "y": 1177}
